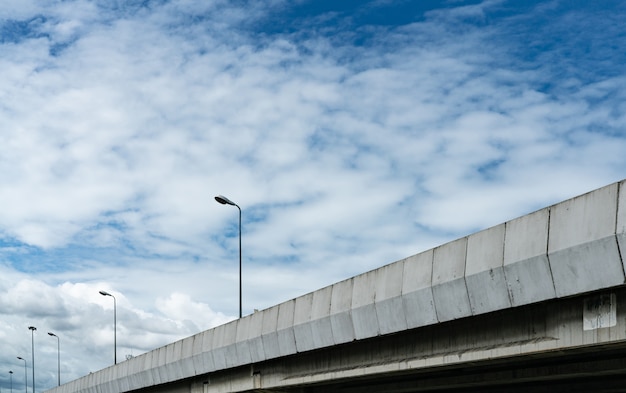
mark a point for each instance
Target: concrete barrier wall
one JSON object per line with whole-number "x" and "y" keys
{"x": 570, "y": 248}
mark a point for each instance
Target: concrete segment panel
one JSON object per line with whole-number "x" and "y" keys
{"x": 485, "y": 250}
{"x": 155, "y": 364}
{"x": 203, "y": 357}
{"x": 322, "y": 333}
{"x": 449, "y": 261}
{"x": 187, "y": 354}
{"x": 389, "y": 281}
{"x": 418, "y": 272}
{"x": 284, "y": 326}
{"x": 257, "y": 354}
{"x": 321, "y": 303}
{"x": 302, "y": 328}
{"x": 341, "y": 296}
{"x": 388, "y": 300}
{"x": 365, "y": 322}
{"x": 173, "y": 360}
{"x": 302, "y": 309}
{"x": 526, "y": 267}
{"x": 218, "y": 349}
{"x": 419, "y": 308}
{"x": 241, "y": 341}
{"x": 229, "y": 340}
{"x": 390, "y": 315}
{"x": 232, "y": 357}
{"x": 487, "y": 291}
{"x": 526, "y": 237}
{"x": 583, "y": 219}
{"x": 320, "y": 318}
{"x": 364, "y": 317}
{"x": 340, "y": 314}
{"x": 269, "y": 336}
{"x": 484, "y": 276}
{"x": 451, "y": 300}
{"x": 146, "y": 365}
{"x": 417, "y": 294}
{"x": 529, "y": 281}
{"x": 587, "y": 267}
{"x": 449, "y": 289}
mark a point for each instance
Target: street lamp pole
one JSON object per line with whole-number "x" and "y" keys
{"x": 58, "y": 357}
{"x": 32, "y": 335}
{"x": 25, "y": 378}
{"x": 11, "y": 374}
{"x": 225, "y": 201}
{"x": 105, "y": 293}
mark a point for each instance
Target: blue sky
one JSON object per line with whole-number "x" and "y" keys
{"x": 352, "y": 134}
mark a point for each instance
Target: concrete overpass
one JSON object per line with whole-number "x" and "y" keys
{"x": 537, "y": 303}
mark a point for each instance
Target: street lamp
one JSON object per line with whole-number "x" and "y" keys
{"x": 105, "y": 293}
{"x": 225, "y": 201}
{"x": 32, "y": 337}
{"x": 58, "y": 356}
{"x": 25, "y": 380}
{"x": 11, "y": 374}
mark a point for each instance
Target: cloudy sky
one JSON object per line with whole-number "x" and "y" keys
{"x": 351, "y": 134}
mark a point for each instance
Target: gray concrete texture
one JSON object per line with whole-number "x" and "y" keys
{"x": 570, "y": 248}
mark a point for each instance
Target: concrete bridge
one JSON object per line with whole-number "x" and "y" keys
{"x": 534, "y": 304}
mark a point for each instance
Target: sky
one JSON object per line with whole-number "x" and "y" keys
{"x": 351, "y": 134}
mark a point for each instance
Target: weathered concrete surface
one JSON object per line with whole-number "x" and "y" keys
{"x": 582, "y": 245}
{"x": 565, "y": 250}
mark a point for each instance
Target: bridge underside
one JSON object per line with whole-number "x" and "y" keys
{"x": 575, "y": 344}
{"x": 597, "y": 369}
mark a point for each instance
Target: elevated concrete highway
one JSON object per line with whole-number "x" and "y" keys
{"x": 534, "y": 304}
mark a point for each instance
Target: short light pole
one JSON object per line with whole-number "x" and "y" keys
{"x": 32, "y": 335}
{"x": 105, "y": 293}
{"x": 58, "y": 357}
{"x": 225, "y": 201}
{"x": 25, "y": 378}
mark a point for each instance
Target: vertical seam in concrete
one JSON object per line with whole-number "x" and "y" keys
{"x": 548, "y": 250}
{"x": 506, "y": 280}
{"x": 469, "y": 299}
{"x": 432, "y": 276}
{"x": 617, "y": 211}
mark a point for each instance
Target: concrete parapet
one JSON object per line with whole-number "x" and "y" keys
{"x": 567, "y": 249}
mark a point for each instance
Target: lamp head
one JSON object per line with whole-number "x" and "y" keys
{"x": 32, "y": 328}
{"x": 105, "y": 293}
{"x": 52, "y": 334}
{"x": 224, "y": 201}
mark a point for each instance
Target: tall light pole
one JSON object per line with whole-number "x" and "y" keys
{"x": 32, "y": 336}
{"x": 11, "y": 374}
{"x": 105, "y": 293}
{"x": 225, "y": 201}
{"x": 58, "y": 357}
{"x": 25, "y": 379}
